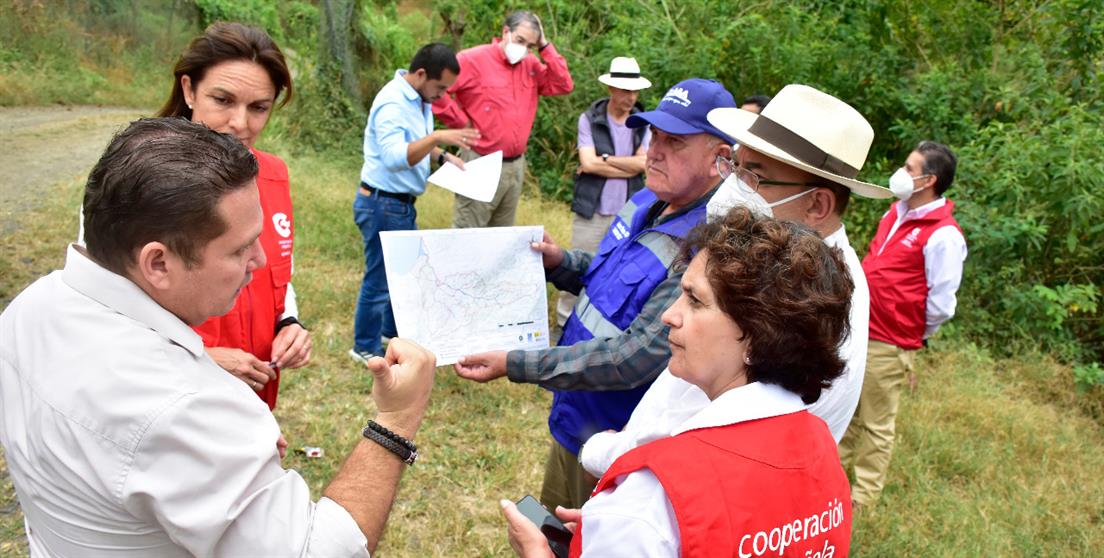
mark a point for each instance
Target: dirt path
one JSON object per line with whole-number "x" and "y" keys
{"x": 41, "y": 147}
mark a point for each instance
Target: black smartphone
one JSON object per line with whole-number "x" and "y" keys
{"x": 559, "y": 538}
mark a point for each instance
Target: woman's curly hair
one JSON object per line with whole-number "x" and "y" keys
{"x": 788, "y": 291}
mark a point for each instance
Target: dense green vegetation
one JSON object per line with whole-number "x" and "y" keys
{"x": 1014, "y": 88}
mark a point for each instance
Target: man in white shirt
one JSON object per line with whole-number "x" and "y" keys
{"x": 122, "y": 436}
{"x": 777, "y": 172}
{"x": 914, "y": 267}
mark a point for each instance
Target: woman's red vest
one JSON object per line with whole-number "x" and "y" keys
{"x": 767, "y": 487}
{"x": 251, "y": 324}
{"x": 896, "y": 277}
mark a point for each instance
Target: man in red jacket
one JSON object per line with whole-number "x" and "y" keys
{"x": 497, "y": 93}
{"x": 913, "y": 268}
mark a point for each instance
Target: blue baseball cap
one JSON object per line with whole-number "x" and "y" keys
{"x": 685, "y": 107}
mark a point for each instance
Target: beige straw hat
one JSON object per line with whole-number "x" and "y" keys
{"x": 810, "y": 130}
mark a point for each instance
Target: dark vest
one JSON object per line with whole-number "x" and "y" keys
{"x": 588, "y": 187}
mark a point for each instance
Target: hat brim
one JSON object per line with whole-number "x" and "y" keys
{"x": 628, "y": 84}
{"x": 664, "y": 121}
{"x": 735, "y": 122}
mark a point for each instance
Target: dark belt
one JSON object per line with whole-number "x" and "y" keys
{"x": 512, "y": 159}
{"x": 368, "y": 191}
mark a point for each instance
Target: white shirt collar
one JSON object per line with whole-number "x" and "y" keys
{"x": 753, "y": 401}
{"x": 837, "y": 239}
{"x": 114, "y": 291}
{"x": 408, "y": 90}
{"x": 904, "y": 213}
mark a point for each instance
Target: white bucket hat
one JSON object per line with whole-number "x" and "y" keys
{"x": 809, "y": 130}
{"x": 624, "y": 73}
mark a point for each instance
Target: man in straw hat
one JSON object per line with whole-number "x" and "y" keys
{"x": 614, "y": 344}
{"x": 797, "y": 161}
{"x": 611, "y": 161}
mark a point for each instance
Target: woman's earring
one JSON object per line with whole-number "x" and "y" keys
{"x": 747, "y": 359}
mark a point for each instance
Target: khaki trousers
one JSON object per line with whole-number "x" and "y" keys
{"x": 586, "y": 234}
{"x": 502, "y": 209}
{"x": 868, "y": 443}
{"x": 566, "y": 483}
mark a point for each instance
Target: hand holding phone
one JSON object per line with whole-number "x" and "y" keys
{"x": 559, "y": 538}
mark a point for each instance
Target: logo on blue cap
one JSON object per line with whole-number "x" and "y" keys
{"x": 677, "y": 95}
{"x": 685, "y": 107}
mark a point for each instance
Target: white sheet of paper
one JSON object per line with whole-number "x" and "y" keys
{"x": 478, "y": 180}
{"x": 463, "y": 291}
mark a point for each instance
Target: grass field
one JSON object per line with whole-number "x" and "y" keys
{"x": 995, "y": 457}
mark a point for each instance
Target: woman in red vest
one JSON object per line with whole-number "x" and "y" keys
{"x": 230, "y": 78}
{"x": 764, "y": 308}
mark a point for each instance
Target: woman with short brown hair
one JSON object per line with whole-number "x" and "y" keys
{"x": 763, "y": 310}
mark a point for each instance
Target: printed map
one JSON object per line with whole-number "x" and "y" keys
{"x": 463, "y": 291}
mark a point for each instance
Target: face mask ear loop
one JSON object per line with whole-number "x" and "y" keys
{"x": 790, "y": 199}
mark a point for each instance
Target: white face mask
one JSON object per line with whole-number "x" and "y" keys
{"x": 902, "y": 184}
{"x": 734, "y": 192}
{"x": 514, "y": 52}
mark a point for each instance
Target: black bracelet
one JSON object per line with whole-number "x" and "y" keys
{"x": 405, "y": 449}
{"x": 288, "y": 321}
{"x": 441, "y": 158}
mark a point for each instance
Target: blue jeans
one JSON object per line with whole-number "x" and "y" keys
{"x": 373, "y": 314}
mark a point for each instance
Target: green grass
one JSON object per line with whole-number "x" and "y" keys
{"x": 995, "y": 457}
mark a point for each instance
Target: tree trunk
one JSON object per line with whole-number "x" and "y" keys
{"x": 335, "y": 56}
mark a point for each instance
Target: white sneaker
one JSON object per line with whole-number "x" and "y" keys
{"x": 360, "y": 356}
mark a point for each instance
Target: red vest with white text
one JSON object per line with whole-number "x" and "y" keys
{"x": 768, "y": 487}
{"x": 251, "y": 324}
{"x": 896, "y": 277}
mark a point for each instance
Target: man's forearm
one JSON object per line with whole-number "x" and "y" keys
{"x": 368, "y": 481}
{"x": 632, "y": 165}
{"x": 567, "y": 276}
{"x": 419, "y": 149}
{"x": 623, "y": 362}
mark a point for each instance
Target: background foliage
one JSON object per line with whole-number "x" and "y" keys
{"x": 1015, "y": 88}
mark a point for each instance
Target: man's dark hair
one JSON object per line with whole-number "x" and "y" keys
{"x": 519, "y": 17}
{"x": 939, "y": 161}
{"x": 788, "y": 291}
{"x": 435, "y": 58}
{"x": 161, "y": 179}
{"x": 760, "y": 100}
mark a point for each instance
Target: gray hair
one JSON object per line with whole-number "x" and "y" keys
{"x": 522, "y": 16}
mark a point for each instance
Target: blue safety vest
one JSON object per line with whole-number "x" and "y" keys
{"x": 632, "y": 260}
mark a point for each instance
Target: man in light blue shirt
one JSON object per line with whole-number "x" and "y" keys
{"x": 399, "y": 141}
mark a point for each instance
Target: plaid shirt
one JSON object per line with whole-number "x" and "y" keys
{"x": 624, "y": 362}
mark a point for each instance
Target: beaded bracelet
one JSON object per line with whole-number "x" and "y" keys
{"x": 405, "y": 449}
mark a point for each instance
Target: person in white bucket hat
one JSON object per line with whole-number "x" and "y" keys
{"x": 797, "y": 161}
{"x": 611, "y": 161}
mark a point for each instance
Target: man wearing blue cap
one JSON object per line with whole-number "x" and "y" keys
{"x": 614, "y": 344}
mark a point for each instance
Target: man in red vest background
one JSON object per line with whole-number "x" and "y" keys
{"x": 913, "y": 268}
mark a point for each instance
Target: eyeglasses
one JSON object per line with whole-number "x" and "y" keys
{"x": 727, "y": 167}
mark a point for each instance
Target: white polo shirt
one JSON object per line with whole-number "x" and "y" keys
{"x": 123, "y": 438}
